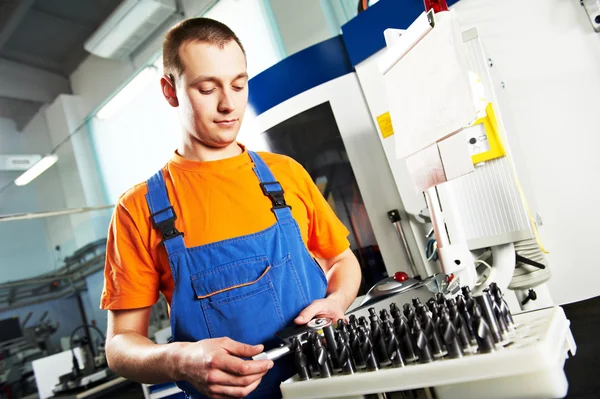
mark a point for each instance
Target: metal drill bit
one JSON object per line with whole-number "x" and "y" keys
{"x": 451, "y": 303}
{"x": 344, "y": 330}
{"x": 379, "y": 344}
{"x": 435, "y": 311}
{"x": 450, "y": 337}
{"x": 395, "y": 311}
{"x": 502, "y": 324}
{"x": 461, "y": 304}
{"x": 422, "y": 344}
{"x": 384, "y": 315}
{"x": 435, "y": 341}
{"x": 403, "y": 333}
{"x": 430, "y": 303}
{"x": 322, "y": 357}
{"x": 485, "y": 302}
{"x": 421, "y": 309}
{"x": 416, "y": 301}
{"x": 469, "y": 301}
{"x": 373, "y": 317}
{"x": 483, "y": 334}
{"x": 353, "y": 321}
{"x": 300, "y": 361}
{"x": 411, "y": 315}
{"x": 499, "y": 298}
{"x": 345, "y": 357}
{"x": 312, "y": 337}
{"x": 467, "y": 339}
{"x": 362, "y": 321}
{"x": 440, "y": 299}
{"x": 462, "y": 338}
{"x": 345, "y": 336}
{"x": 332, "y": 349}
{"x": 359, "y": 360}
{"x": 393, "y": 347}
{"x": 465, "y": 289}
{"x": 493, "y": 289}
{"x": 366, "y": 349}
{"x": 468, "y": 323}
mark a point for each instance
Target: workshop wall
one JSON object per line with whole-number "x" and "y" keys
{"x": 548, "y": 55}
{"x": 301, "y": 23}
{"x": 23, "y": 244}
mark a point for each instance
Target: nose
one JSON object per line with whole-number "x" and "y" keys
{"x": 226, "y": 103}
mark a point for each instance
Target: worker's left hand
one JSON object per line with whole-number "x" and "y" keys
{"x": 331, "y": 307}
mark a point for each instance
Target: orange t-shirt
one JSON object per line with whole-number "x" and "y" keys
{"x": 214, "y": 201}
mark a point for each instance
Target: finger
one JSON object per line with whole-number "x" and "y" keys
{"x": 240, "y": 349}
{"x": 222, "y": 391}
{"x": 309, "y": 312}
{"x": 235, "y": 365}
{"x": 218, "y": 377}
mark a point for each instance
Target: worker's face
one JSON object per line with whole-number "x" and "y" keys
{"x": 212, "y": 92}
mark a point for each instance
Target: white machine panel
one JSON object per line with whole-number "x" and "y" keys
{"x": 364, "y": 151}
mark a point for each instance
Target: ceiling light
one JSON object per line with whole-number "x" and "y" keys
{"x": 40, "y": 167}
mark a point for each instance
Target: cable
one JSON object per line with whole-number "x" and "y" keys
{"x": 79, "y": 328}
{"x": 492, "y": 271}
{"x": 431, "y": 250}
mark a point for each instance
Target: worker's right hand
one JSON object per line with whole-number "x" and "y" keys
{"x": 215, "y": 368}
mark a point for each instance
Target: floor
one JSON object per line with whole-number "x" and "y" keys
{"x": 583, "y": 370}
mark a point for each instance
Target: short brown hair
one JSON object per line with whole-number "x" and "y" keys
{"x": 194, "y": 29}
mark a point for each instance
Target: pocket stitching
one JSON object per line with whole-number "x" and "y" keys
{"x": 259, "y": 290}
{"x": 276, "y": 303}
{"x": 300, "y": 286}
{"x": 228, "y": 266}
{"x": 235, "y": 286}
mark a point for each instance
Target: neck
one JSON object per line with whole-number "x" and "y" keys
{"x": 196, "y": 151}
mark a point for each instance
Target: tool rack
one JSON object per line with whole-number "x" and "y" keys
{"x": 529, "y": 365}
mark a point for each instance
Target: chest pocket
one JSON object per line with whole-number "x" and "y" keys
{"x": 239, "y": 300}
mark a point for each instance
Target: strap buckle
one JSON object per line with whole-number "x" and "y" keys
{"x": 167, "y": 226}
{"x": 276, "y": 196}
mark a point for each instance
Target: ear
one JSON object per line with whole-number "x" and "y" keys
{"x": 168, "y": 89}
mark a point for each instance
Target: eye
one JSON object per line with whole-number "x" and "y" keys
{"x": 238, "y": 88}
{"x": 207, "y": 91}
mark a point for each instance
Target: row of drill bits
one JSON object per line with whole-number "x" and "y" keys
{"x": 417, "y": 333}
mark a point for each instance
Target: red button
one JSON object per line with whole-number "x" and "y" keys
{"x": 400, "y": 276}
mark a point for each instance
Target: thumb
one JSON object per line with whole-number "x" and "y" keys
{"x": 239, "y": 349}
{"x": 308, "y": 313}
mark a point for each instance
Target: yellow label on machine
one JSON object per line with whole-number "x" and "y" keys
{"x": 492, "y": 131}
{"x": 385, "y": 125}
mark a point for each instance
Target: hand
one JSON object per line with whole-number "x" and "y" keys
{"x": 331, "y": 307}
{"x": 214, "y": 367}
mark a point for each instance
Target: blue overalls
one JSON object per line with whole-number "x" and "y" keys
{"x": 245, "y": 288}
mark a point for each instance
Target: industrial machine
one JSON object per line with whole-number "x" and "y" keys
{"x": 421, "y": 125}
{"x": 94, "y": 368}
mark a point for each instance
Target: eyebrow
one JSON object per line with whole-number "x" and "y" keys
{"x": 201, "y": 79}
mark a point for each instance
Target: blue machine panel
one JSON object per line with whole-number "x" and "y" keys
{"x": 297, "y": 73}
{"x": 363, "y": 35}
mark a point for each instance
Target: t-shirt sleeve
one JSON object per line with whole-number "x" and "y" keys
{"x": 131, "y": 280}
{"x": 327, "y": 235}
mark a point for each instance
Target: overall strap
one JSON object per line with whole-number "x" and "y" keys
{"x": 162, "y": 213}
{"x": 271, "y": 188}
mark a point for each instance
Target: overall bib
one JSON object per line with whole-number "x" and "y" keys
{"x": 245, "y": 288}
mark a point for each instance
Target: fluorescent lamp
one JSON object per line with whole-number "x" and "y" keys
{"x": 40, "y": 167}
{"x": 127, "y": 93}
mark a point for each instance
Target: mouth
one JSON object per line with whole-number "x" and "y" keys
{"x": 226, "y": 122}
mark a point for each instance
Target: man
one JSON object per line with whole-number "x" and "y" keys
{"x": 240, "y": 244}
